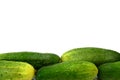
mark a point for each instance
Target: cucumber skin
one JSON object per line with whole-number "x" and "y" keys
{"x": 71, "y": 70}
{"x": 36, "y": 59}
{"x": 96, "y": 55}
{"x": 12, "y": 70}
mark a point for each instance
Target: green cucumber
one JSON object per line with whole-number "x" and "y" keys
{"x": 109, "y": 71}
{"x": 71, "y": 70}
{"x": 12, "y": 70}
{"x": 92, "y": 54}
{"x": 34, "y": 58}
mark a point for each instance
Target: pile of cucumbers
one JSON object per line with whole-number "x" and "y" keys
{"x": 87, "y": 63}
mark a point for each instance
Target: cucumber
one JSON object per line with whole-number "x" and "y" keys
{"x": 109, "y": 71}
{"x": 12, "y": 70}
{"x": 70, "y": 70}
{"x": 96, "y": 55}
{"x": 34, "y": 58}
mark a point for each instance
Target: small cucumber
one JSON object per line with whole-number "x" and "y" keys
{"x": 12, "y": 70}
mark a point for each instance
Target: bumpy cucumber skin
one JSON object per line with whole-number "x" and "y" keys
{"x": 11, "y": 70}
{"x": 109, "y": 71}
{"x": 34, "y": 58}
{"x": 92, "y": 54}
{"x": 71, "y": 70}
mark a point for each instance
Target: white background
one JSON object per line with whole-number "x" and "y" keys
{"x": 59, "y": 25}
